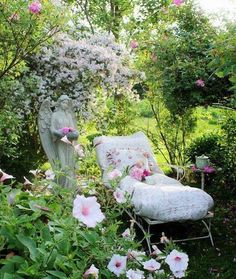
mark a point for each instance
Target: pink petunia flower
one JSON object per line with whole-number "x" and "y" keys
{"x": 200, "y": 83}
{"x": 87, "y": 211}
{"x": 135, "y": 274}
{"x": 93, "y": 271}
{"x": 137, "y": 173}
{"x": 117, "y": 264}
{"x": 209, "y": 169}
{"x": 114, "y": 174}
{"x": 133, "y": 44}
{"x": 119, "y": 195}
{"x": 49, "y": 174}
{"x": 177, "y": 261}
{"x": 5, "y": 176}
{"x": 35, "y": 7}
{"x": 178, "y": 2}
{"x": 151, "y": 265}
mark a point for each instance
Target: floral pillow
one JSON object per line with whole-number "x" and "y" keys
{"x": 123, "y": 158}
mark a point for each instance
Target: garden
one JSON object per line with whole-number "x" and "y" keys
{"x": 76, "y": 75}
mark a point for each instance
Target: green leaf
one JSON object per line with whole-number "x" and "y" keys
{"x": 220, "y": 74}
{"x": 30, "y": 244}
{"x": 57, "y": 274}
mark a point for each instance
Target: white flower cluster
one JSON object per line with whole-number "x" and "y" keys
{"x": 87, "y": 70}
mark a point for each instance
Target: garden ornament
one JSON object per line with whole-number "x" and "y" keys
{"x": 202, "y": 161}
{"x": 58, "y": 132}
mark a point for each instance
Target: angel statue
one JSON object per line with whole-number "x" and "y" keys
{"x": 57, "y": 131}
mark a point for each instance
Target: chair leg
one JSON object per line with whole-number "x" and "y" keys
{"x": 208, "y": 227}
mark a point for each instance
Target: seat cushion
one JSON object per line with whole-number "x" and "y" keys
{"x": 167, "y": 203}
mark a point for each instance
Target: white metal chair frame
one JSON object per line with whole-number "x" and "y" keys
{"x": 180, "y": 173}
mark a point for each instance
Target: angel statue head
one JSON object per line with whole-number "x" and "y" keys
{"x": 58, "y": 133}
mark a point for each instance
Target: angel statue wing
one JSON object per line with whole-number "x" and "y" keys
{"x": 44, "y": 122}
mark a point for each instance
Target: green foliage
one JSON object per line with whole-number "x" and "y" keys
{"x": 209, "y": 145}
{"x": 224, "y": 58}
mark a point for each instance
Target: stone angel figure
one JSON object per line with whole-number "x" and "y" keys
{"x": 58, "y": 131}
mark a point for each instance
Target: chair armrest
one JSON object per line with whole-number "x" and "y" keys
{"x": 180, "y": 170}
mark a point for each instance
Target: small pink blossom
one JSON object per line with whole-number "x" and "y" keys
{"x": 91, "y": 271}
{"x": 177, "y": 261}
{"x": 119, "y": 195}
{"x": 5, "y": 176}
{"x": 146, "y": 173}
{"x": 178, "y": 2}
{"x": 35, "y": 7}
{"x": 209, "y": 169}
{"x": 66, "y": 130}
{"x": 137, "y": 173}
{"x": 151, "y": 265}
{"x": 133, "y": 44}
{"x": 87, "y": 211}
{"x": 114, "y": 174}
{"x": 27, "y": 182}
{"x": 126, "y": 233}
{"x": 200, "y": 83}
{"x": 194, "y": 168}
{"x": 117, "y": 264}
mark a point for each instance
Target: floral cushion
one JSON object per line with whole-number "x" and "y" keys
{"x": 123, "y": 158}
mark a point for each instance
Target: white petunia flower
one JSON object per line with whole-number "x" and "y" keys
{"x": 117, "y": 264}
{"x": 135, "y": 274}
{"x": 119, "y": 195}
{"x": 87, "y": 211}
{"x": 151, "y": 265}
{"x": 91, "y": 271}
{"x": 177, "y": 261}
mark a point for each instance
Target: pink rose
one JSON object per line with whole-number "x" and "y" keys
{"x": 200, "y": 83}
{"x": 133, "y": 44}
{"x": 35, "y": 7}
{"x": 137, "y": 173}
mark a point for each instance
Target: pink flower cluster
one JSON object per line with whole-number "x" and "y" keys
{"x": 178, "y": 2}
{"x": 200, "y": 83}
{"x": 66, "y": 130}
{"x": 133, "y": 44}
{"x": 139, "y": 173}
{"x": 35, "y": 7}
{"x": 206, "y": 169}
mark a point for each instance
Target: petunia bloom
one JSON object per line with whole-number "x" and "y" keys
{"x": 151, "y": 265}
{"x": 119, "y": 195}
{"x": 200, "y": 83}
{"x": 133, "y": 44}
{"x": 126, "y": 233}
{"x": 49, "y": 174}
{"x": 117, "y": 264}
{"x": 87, "y": 211}
{"x": 178, "y": 2}
{"x": 5, "y": 176}
{"x": 35, "y": 7}
{"x": 114, "y": 174}
{"x": 91, "y": 271}
{"x": 135, "y": 274}
{"x": 177, "y": 261}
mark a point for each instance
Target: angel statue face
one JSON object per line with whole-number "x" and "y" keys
{"x": 64, "y": 102}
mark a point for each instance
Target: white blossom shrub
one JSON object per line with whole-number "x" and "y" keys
{"x": 88, "y": 70}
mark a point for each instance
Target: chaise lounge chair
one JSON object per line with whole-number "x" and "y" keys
{"x": 160, "y": 199}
